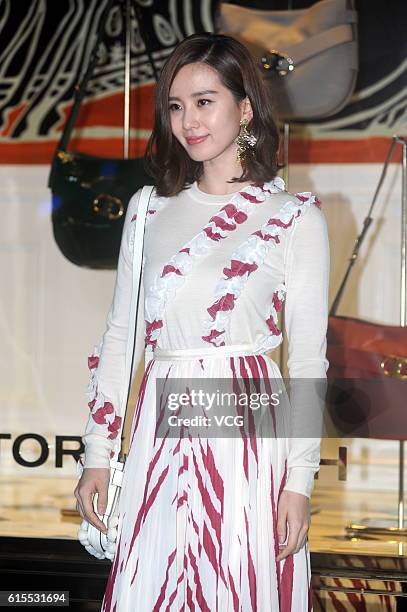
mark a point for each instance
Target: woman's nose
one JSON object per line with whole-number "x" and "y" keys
{"x": 190, "y": 118}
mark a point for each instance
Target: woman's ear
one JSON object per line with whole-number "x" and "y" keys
{"x": 246, "y": 109}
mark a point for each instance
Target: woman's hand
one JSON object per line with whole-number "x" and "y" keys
{"x": 294, "y": 509}
{"x": 93, "y": 480}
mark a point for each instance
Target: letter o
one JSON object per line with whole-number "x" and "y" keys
{"x": 44, "y": 450}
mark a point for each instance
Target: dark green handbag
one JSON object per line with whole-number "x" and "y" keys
{"x": 89, "y": 201}
{"x": 90, "y": 194}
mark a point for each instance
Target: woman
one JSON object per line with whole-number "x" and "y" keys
{"x": 218, "y": 523}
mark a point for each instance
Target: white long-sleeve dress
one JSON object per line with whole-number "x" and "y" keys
{"x": 198, "y": 516}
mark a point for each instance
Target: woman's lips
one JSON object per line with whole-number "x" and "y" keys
{"x": 196, "y": 139}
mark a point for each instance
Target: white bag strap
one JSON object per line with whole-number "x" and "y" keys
{"x": 135, "y": 295}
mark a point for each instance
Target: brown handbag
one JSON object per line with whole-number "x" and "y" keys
{"x": 367, "y": 374}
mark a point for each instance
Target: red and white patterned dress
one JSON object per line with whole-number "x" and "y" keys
{"x": 198, "y": 516}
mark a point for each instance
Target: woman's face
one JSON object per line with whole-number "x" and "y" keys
{"x": 204, "y": 115}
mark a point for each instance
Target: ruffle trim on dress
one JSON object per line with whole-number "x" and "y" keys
{"x": 275, "y": 337}
{"x": 174, "y": 272}
{"x": 246, "y": 259}
{"x": 102, "y": 411}
{"x": 153, "y": 207}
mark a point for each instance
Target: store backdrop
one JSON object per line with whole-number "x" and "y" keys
{"x": 53, "y": 312}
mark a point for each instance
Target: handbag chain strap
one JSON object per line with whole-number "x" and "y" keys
{"x": 80, "y": 88}
{"x": 366, "y": 224}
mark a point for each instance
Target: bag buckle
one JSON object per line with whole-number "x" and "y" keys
{"x": 395, "y": 366}
{"x": 65, "y": 157}
{"x": 108, "y": 206}
{"x": 279, "y": 62}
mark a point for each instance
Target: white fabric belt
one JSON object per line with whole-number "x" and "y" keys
{"x": 202, "y": 352}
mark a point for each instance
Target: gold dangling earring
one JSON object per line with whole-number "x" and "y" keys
{"x": 245, "y": 141}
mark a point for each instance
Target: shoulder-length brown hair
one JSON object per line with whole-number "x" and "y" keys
{"x": 166, "y": 160}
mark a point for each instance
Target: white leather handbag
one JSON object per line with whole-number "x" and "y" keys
{"x": 308, "y": 56}
{"x": 103, "y": 546}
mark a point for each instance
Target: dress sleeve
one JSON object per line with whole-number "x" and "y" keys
{"x": 107, "y": 363}
{"x": 307, "y": 263}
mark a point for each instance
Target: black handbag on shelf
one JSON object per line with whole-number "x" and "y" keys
{"x": 90, "y": 194}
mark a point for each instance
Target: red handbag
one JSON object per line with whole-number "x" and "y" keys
{"x": 367, "y": 374}
{"x": 367, "y": 378}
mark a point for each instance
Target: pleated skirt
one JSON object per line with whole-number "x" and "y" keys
{"x": 198, "y": 516}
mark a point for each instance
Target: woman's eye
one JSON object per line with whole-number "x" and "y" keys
{"x": 174, "y": 106}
